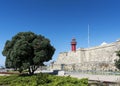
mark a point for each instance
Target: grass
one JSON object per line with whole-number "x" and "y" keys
{"x": 41, "y": 80}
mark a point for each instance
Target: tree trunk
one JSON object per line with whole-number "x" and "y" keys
{"x": 31, "y": 72}
{"x": 32, "y": 69}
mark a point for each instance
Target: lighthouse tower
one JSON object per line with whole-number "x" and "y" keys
{"x": 73, "y": 44}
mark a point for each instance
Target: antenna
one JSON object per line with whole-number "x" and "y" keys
{"x": 88, "y": 37}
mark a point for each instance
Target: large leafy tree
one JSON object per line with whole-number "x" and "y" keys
{"x": 117, "y": 61}
{"x": 27, "y": 50}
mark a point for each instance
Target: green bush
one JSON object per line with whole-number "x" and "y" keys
{"x": 42, "y": 80}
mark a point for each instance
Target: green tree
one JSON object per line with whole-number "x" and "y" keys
{"x": 117, "y": 61}
{"x": 27, "y": 50}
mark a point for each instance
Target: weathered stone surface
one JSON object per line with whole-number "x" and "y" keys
{"x": 61, "y": 73}
{"x": 98, "y": 58}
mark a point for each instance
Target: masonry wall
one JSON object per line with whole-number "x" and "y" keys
{"x": 99, "y": 56}
{"x": 104, "y": 53}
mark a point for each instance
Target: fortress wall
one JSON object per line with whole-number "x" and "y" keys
{"x": 70, "y": 57}
{"x": 63, "y": 54}
{"x": 74, "y": 57}
{"x": 98, "y": 58}
{"x": 61, "y": 58}
{"x": 103, "y": 53}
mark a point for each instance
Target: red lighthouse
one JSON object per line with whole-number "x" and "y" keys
{"x": 73, "y": 44}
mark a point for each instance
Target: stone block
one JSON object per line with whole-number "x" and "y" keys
{"x": 61, "y": 73}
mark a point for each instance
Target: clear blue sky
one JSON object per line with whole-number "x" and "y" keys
{"x": 60, "y": 21}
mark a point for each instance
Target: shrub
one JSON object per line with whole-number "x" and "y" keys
{"x": 42, "y": 80}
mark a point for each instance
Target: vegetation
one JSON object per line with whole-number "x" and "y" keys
{"x": 27, "y": 51}
{"x": 117, "y": 61}
{"x": 42, "y": 80}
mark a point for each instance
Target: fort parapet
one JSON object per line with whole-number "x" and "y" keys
{"x": 99, "y": 58}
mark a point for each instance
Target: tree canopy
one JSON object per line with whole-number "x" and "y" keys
{"x": 27, "y": 50}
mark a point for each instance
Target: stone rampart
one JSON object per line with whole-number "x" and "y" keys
{"x": 101, "y": 57}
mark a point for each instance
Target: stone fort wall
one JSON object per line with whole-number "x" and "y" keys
{"x": 101, "y": 57}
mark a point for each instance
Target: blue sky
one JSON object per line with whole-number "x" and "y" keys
{"x": 60, "y": 21}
